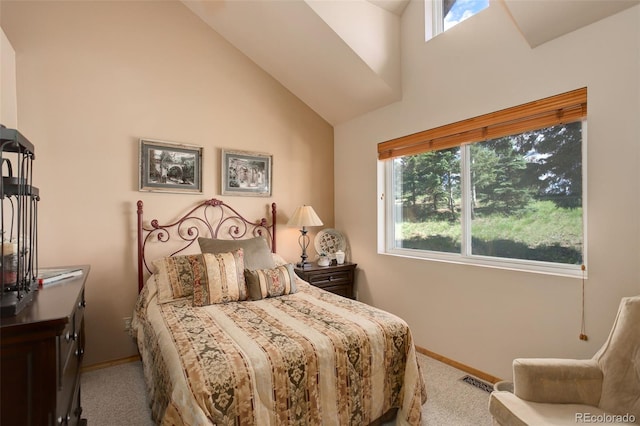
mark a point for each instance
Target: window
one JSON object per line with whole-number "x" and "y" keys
{"x": 504, "y": 189}
{"x": 444, "y": 14}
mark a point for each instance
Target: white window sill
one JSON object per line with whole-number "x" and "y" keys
{"x": 561, "y": 270}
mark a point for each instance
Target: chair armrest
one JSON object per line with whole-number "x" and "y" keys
{"x": 563, "y": 381}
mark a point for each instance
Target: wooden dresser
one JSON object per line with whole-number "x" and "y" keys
{"x": 42, "y": 351}
{"x": 338, "y": 279}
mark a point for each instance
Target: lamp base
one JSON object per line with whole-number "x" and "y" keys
{"x": 303, "y": 265}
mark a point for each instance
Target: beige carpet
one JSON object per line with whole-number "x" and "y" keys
{"x": 115, "y": 396}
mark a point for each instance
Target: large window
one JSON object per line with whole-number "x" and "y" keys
{"x": 504, "y": 189}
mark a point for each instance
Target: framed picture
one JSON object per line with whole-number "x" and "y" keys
{"x": 170, "y": 167}
{"x": 246, "y": 173}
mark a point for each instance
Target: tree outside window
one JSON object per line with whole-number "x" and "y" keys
{"x": 522, "y": 198}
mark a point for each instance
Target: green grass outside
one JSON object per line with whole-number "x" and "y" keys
{"x": 542, "y": 224}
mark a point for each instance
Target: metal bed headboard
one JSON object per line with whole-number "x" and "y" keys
{"x": 211, "y": 218}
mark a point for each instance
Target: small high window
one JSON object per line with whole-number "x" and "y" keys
{"x": 445, "y": 14}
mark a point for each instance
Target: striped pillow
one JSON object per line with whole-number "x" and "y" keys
{"x": 225, "y": 279}
{"x": 263, "y": 283}
{"x": 174, "y": 276}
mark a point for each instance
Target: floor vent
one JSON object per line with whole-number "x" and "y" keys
{"x": 487, "y": 387}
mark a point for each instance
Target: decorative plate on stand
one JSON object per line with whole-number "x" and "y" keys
{"x": 329, "y": 241}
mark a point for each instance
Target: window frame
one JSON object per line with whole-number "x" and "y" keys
{"x": 433, "y": 18}
{"x": 386, "y": 226}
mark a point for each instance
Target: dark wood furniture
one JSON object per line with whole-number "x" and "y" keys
{"x": 338, "y": 279}
{"x": 42, "y": 351}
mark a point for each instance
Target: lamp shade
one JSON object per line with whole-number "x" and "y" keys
{"x": 304, "y": 216}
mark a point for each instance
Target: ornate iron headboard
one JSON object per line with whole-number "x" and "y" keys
{"x": 211, "y": 218}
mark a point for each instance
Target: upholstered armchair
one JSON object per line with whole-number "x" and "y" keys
{"x": 603, "y": 389}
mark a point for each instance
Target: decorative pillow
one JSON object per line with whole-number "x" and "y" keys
{"x": 174, "y": 276}
{"x": 278, "y": 260}
{"x": 257, "y": 254}
{"x": 224, "y": 279}
{"x": 273, "y": 282}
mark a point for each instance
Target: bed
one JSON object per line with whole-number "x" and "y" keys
{"x": 229, "y": 335}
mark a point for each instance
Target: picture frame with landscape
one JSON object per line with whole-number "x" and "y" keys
{"x": 246, "y": 173}
{"x": 170, "y": 167}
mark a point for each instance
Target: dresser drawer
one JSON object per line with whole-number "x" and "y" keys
{"x": 79, "y": 325}
{"x": 66, "y": 347}
{"x": 71, "y": 351}
{"x": 69, "y": 389}
{"x": 71, "y": 341}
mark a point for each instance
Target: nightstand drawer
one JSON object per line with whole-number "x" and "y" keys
{"x": 338, "y": 279}
{"x": 331, "y": 278}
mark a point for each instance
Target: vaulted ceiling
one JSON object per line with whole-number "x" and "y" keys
{"x": 316, "y": 48}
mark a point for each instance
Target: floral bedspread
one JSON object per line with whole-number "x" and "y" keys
{"x": 309, "y": 358}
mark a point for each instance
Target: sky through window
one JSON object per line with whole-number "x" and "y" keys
{"x": 463, "y": 9}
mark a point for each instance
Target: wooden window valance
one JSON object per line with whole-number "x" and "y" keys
{"x": 559, "y": 109}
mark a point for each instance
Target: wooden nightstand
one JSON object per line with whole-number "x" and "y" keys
{"x": 338, "y": 279}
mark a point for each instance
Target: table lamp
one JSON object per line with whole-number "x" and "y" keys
{"x": 304, "y": 216}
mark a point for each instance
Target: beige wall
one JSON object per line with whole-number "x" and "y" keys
{"x": 8, "y": 98}
{"x": 93, "y": 78}
{"x": 485, "y": 317}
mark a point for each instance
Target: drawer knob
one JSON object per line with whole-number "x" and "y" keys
{"x": 70, "y": 336}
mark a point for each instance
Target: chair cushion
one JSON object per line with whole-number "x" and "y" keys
{"x": 559, "y": 381}
{"x": 509, "y": 410}
{"x": 619, "y": 359}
